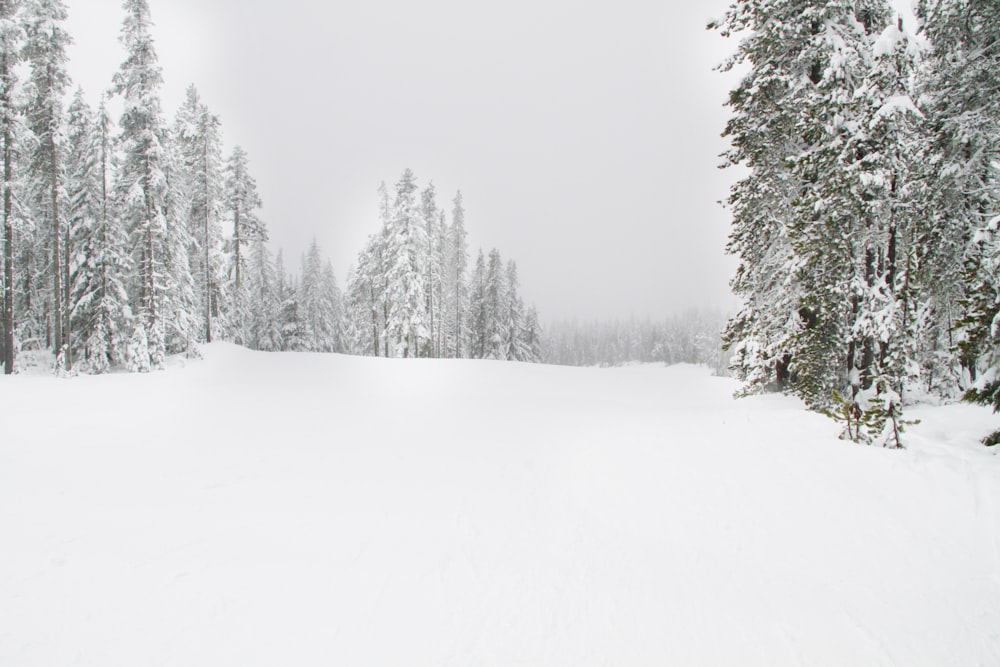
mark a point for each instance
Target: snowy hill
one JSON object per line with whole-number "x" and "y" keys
{"x": 295, "y": 509}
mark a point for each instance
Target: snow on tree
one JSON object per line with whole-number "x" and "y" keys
{"x": 242, "y": 204}
{"x": 513, "y": 324}
{"x": 45, "y": 51}
{"x": 457, "y": 264}
{"x": 433, "y": 262}
{"x": 142, "y": 183}
{"x": 477, "y": 312}
{"x": 100, "y": 310}
{"x": 407, "y": 321}
{"x": 198, "y": 139}
{"x": 10, "y": 45}
{"x": 263, "y": 296}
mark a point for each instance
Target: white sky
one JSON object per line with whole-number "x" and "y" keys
{"x": 584, "y": 136}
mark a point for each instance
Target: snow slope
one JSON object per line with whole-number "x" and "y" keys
{"x": 295, "y": 509}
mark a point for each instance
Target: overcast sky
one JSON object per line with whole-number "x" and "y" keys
{"x": 584, "y": 136}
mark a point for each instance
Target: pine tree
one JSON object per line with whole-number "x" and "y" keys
{"x": 457, "y": 266}
{"x": 802, "y": 120}
{"x": 533, "y": 336}
{"x": 242, "y": 204}
{"x": 10, "y": 39}
{"x": 477, "y": 312}
{"x": 198, "y": 138}
{"x": 433, "y": 267}
{"x": 142, "y": 182}
{"x": 265, "y": 305}
{"x": 495, "y": 332}
{"x": 514, "y": 344}
{"x": 45, "y": 52}
{"x": 99, "y": 300}
{"x": 406, "y": 324}
{"x": 963, "y": 89}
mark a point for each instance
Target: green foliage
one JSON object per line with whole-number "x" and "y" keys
{"x": 872, "y": 420}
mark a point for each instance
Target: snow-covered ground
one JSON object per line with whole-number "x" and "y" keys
{"x": 293, "y": 509}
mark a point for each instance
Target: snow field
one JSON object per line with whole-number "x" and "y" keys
{"x": 296, "y": 509}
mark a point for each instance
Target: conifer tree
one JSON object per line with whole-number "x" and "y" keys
{"x": 457, "y": 266}
{"x": 99, "y": 299}
{"x": 432, "y": 261}
{"x": 963, "y": 89}
{"x": 142, "y": 183}
{"x": 10, "y": 43}
{"x": 514, "y": 347}
{"x": 45, "y": 51}
{"x": 477, "y": 312}
{"x": 198, "y": 137}
{"x": 242, "y": 204}
{"x": 405, "y": 251}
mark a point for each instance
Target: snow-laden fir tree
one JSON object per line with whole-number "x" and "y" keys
{"x": 514, "y": 346}
{"x": 242, "y": 204}
{"x": 100, "y": 310}
{"x": 495, "y": 300}
{"x": 457, "y": 292}
{"x": 198, "y": 139}
{"x": 405, "y": 252}
{"x": 10, "y": 45}
{"x": 476, "y": 315}
{"x": 45, "y": 46}
{"x": 962, "y": 91}
{"x": 433, "y": 262}
{"x": 263, "y": 295}
{"x": 141, "y": 184}
{"x": 818, "y": 120}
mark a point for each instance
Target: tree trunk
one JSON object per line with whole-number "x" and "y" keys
{"x": 236, "y": 241}
{"x": 68, "y": 327}
{"x": 208, "y": 274}
{"x": 8, "y": 224}
{"x": 57, "y": 267}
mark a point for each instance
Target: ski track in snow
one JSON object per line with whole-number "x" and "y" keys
{"x": 261, "y": 509}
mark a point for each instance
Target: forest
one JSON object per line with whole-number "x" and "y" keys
{"x": 867, "y": 224}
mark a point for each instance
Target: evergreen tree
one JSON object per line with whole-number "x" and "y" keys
{"x": 405, "y": 252}
{"x": 242, "y": 204}
{"x": 10, "y": 42}
{"x": 514, "y": 343}
{"x": 142, "y": 183}
{"x": 477, "y": 312}
{"x": 265, "y": 304}
{"x": 198, "y": 138}
{"x": 45, "y": 52}
{"x": 457, "y": 288}
{"x": 99, "y": 301}
{"x": 433, "y": 262}
{"x": 495, "y": 298}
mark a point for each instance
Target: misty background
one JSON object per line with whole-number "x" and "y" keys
{"x": 584, "y": 138}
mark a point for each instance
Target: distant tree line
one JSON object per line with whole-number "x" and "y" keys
{"x": 867, "y": 226}
{"x": 692, "y": 337}
{"x": 412, "y": 293}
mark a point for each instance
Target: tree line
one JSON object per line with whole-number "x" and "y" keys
{"x": 867, "y": 226}
{"x": 412, "y": 293}
{"x": 128, "y": 241}
{"x": 692, "y": 337}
